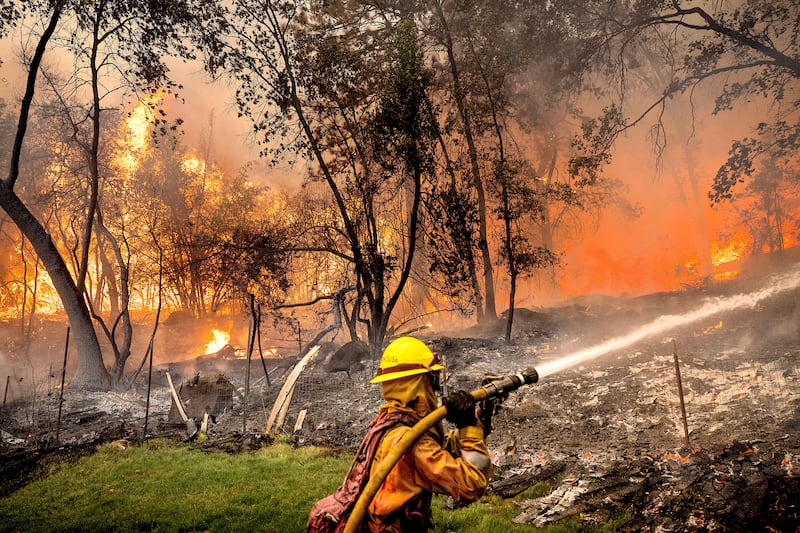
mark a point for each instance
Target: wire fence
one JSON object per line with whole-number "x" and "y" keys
{"x": 741, "y": 395}
{"x": 738, "y": 394}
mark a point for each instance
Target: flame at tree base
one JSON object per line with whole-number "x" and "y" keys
{"x": 221, "y": 339}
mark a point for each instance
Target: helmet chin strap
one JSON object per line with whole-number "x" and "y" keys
{"x": 435, "y": 381}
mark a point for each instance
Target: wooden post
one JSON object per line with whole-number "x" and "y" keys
{"x": 149, "y": 384}
{"x": 250, "y": 339}
{"x": 301, "y": 417}
{"x": 299, "y": 338}
{"x": 680, "y": 394}
{"x": 61, "y": 392}
{"x": 151, "y": 346}
{"x": 3, "y": 409}
{"x": 260, "y": 352}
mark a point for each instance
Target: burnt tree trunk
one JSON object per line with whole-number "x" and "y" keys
{"x": 489, "y": 311}
{"x": 91, "y": 372}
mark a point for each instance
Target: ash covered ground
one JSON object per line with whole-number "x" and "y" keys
{"x": 606, "y": 434}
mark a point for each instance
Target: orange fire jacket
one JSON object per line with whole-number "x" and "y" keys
{"x": 427, "y": 467}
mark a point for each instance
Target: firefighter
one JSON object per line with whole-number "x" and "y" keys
{"x": 457, "y": 464}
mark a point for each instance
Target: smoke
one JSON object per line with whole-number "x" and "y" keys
{"x": 210, "y": 122}
{"x": 660, "y": 250}
{"x": 12, "y": 379}
{"x": 673, "y": 240}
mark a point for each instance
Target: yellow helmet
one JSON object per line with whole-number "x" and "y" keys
{"x": 406, "y": 356}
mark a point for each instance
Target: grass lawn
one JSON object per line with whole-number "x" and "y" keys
{"x": 163, "y": 486}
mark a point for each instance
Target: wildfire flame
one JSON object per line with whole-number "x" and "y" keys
{"x": 729, "y": 253}
{"x": 724, "y": 258}
{"x": 221, "y": 339}
{"x": 193, "y": 165}
{"x": 136, "y": 132}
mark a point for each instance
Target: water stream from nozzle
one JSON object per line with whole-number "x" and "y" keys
{"x": 777, "y": 285}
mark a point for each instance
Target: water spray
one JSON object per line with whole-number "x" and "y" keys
{"x": 665, "y": 323}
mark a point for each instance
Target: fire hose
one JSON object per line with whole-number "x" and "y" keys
{"x": 492, "y": 389}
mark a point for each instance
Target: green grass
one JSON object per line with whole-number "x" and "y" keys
{"x": 177, "y": 489}
{"x": 157, "y": 487}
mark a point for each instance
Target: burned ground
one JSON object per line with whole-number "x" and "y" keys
{"x": 606, "y": 434}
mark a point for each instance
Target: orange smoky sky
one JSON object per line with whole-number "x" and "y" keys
{"x": 210, "y": 118}
{"x": 618, "y": 255}
{"x": 660, "y": 249}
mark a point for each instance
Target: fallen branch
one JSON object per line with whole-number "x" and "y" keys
{"x": 508, "y": 488}
{"x": 334, "y": 296}
{"x": 337, "y": 317}
{"x": 278, "y": 413}
{"x": 301, "y": 417}
{"x": 191, "y": 426}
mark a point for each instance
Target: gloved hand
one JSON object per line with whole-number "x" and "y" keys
{"x": 460, "y": 409}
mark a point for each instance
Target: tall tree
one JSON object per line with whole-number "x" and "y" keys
{"x": 518, "y": 200}
{"x": 125, "y": 43}
{"x": 511, "y": 76}
{"x": 91, "y": 372}
{"x": 403, "y": 133}
{"x": 486, "y": 309}
{"x": 752, "y": 46}
{"x": 767, "y": 203}
{"x": 323, "y": 85}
